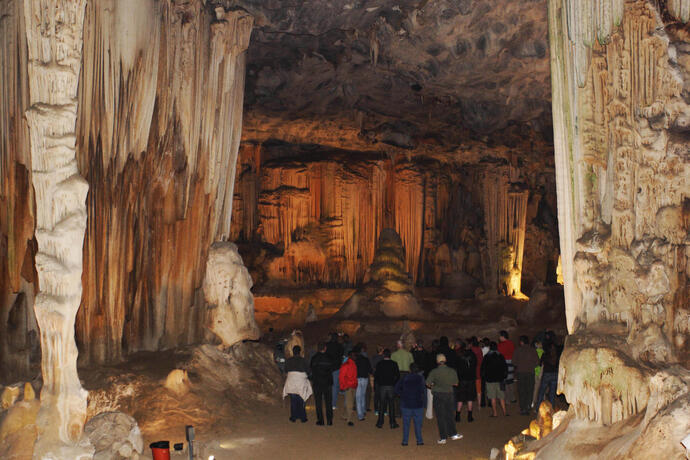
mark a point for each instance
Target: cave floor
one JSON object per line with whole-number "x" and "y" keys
{"x": 267, "y": 433}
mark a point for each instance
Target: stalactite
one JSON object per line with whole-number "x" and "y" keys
{"x": 505, "y": 214}
{"x": 408, "y": 208}
{"x": 158, "y": 134}
{"x": 54, "y": 41}
{"x": 17, "y": 279}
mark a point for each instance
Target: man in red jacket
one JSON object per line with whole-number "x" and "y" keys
{"x": 348, "y": 384}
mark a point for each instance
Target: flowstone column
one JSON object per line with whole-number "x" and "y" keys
{"x": 620, "y": 73}
{"x": 54, "y": 40}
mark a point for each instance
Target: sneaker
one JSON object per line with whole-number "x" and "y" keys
{"x": 403, "y": 444}
{"x": 376, "y": 413}
{"x": 455, "y": 437}
{"x": 395, "y": 425}
{"x": 420, "y": 443}
{"x": 441, "y": 441}
{"x": 350, "y": 424}
{"x": 320, "y": 423}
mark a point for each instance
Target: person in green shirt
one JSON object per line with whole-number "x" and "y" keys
{"x": 402, "y": 358}
{"x": 441, "y": 381}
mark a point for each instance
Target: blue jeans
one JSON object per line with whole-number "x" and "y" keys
{"x": 297, "y": 411}
{"x": 361, "y": 397}
{"x": 336, "y": 388}
{"x": 417, "y": 416}
{"x": 549, "y": 381}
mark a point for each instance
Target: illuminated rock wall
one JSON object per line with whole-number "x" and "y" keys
{"x": 322, "y": 214}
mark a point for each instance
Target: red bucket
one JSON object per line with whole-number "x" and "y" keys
{"x": 161, "y": 450}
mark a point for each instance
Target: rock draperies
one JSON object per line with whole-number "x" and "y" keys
{"x": 324, "y": 215}
{"x": 505, "y": 220}
{"x": 621, "y": 127}
{"x": 158, "y": 133}
{"x": 54, "y": 42}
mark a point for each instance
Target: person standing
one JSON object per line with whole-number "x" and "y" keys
{"x": 506, "y": 347}
{"x": 386, "y": 376}
{"x": 549, "y": 378}
{"x": 375, "y": 360}
{"x": 474, "y": 346}
{"x": 525, "y": 359}
{"x": 402, "y": 358}
{"x": 363, "y": 372}
{"x": 494, "y": 372}
{"x": 412, "y": 392}
{"x": 348, "y": 384}
{"x": 335, "y": 352}
{"x": 466, "y": 389}
{"x": 445, "y": 350}
{"x": 297, "y": 384}
{"x": 322, "y": 378}
{"x": 441, "y": 381}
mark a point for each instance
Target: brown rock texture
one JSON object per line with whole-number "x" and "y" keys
{"x": 157, "y": 139}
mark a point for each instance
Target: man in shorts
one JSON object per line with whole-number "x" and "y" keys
{"x": 494, "y": 371}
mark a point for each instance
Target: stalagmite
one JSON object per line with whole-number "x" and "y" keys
{"x": 390, "y": 292}
{"x": 227, "y": 287}
{"x": 54, "y": 39}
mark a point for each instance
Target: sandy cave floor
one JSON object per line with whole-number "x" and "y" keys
{"x": 268, "y": 434}
{"x": 252, "y": 422}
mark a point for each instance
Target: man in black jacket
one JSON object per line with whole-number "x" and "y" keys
{"x": 466, "y": 391}
{"x": 495, "y": 370}
{"x": 336, "y": 352}
{"x": 386, "y": 376}
{"x": 322, "y": 382}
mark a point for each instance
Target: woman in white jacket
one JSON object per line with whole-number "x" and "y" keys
{"x": 297, "y": 384}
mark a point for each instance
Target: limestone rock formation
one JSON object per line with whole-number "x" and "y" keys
{"x": 18, "y": 430}
{"x": 158, "y": 137}
{"x": 390, "y": 292}
{"x": 620, "y": 104}
{"x": 308, "y": 217}
{"x": 54, "y": 43}
{"x": 227, "y": 287}
{"x": 115, "y": 436}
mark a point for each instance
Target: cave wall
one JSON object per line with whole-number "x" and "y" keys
{"x": 157, "y": 131}
{"x": 19, "y": 349}
{"x": 318, "y": 213}
{"x": 157, "y": 138}
{"x": 621, "y": 75}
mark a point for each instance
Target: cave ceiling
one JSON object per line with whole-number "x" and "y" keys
{"x": 398, "y": 73}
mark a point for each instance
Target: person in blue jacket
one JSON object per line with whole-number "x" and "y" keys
{"x": 412, "y": 391}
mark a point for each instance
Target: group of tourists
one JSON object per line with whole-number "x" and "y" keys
{"x": 441, "y": 380}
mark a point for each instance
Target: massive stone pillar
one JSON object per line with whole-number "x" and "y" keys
{"x": 54, "y": 41}
{"x": 620, "y": 76}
